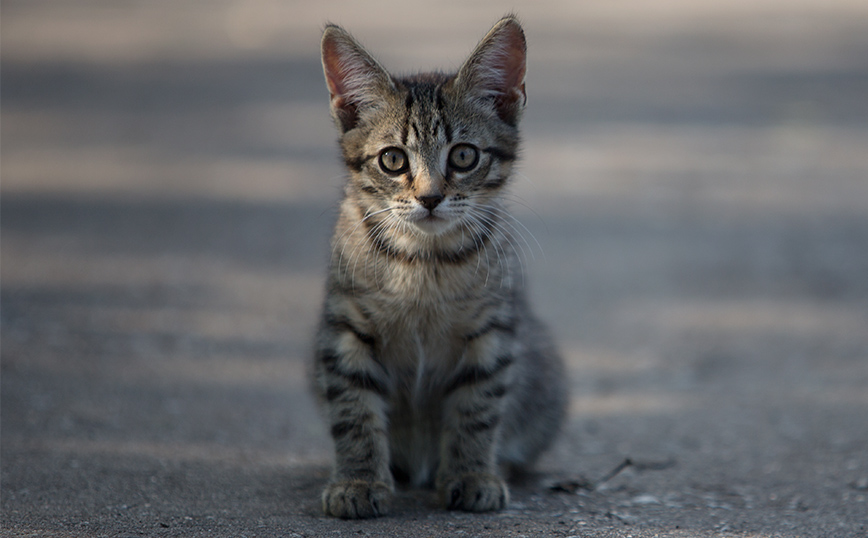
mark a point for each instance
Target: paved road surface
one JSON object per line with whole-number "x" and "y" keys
{"x": 696, "y": 176}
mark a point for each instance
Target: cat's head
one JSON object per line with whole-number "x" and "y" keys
{"x": 431, "y": 151}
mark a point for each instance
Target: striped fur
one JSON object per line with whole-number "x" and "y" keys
{"x": 429, "y": 363}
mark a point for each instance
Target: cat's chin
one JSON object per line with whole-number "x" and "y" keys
{"x": 432, "y": 225}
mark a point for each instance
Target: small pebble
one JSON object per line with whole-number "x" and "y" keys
{"x": 645, "y": 499}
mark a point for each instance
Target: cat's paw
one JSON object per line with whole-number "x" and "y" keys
{"x": 474, "y": 492}
{"x": 356, "y": 499}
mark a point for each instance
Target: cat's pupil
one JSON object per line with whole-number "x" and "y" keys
{"x": 463, "y": 157}
{"x": 393, "y": 161}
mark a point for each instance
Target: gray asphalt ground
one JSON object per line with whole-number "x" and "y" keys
{"x": 695, "y": 188}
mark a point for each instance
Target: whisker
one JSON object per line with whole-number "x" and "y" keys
{"x": 498, "y": 249}
{"x": 522, "y": 259}
{"x": 479, "y": 230}
{"x": 354, "y": 255}
{"x": 518, "y": 200}
{"x": 512, "y": 219}
{"x": 492, "y": 213}
{"x": 354, "y": 228}
{"x": 376, "y": 235}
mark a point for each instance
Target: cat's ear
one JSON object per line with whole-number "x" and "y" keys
{"x": 496, "y": 68}
{"x": 355, "y": 80}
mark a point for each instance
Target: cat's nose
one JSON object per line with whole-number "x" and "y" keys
{"x": 431, "y": 201}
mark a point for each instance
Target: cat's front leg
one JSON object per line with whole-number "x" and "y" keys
{"x": 467, "y": 478}
{"x": 355, "y": 391}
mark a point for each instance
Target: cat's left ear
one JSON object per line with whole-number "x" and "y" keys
{"x": 496, "y": 68}
{"x": 356, "y": 81}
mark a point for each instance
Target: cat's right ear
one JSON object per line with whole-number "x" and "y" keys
{"x": 495, "y": 71}
{"x": 356, "y": 82}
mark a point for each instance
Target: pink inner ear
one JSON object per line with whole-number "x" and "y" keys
{"x": 331, "y": 60}
{"x": 503, "y": 63}
{"x": 335, "y": 59}
{"x": 497, "y": 69}
{"x": 511, "y": 60}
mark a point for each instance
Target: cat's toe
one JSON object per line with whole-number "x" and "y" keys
{"x": 474, "y": 492}
{"x": 356, "y": 499}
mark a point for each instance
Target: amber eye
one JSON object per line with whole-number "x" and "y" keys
{"x": 463, "y": 157}
{"x": 394, "y": 161}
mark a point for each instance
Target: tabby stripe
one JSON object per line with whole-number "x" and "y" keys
{"x": 336, "y": 392}
{"x": 500, "y": 154}
{"x": 497, "y": 392}
{"x": 459, "y": 455}
{"x": 356, "y": 426}
{"x": 359, "y": 380}
{"x": 476, "y": 374}
{"x": 481, "y": 425}
{"x": 363, "y": 459}
{"x": 329, "y": 359}
{"x": 495, "y": 183}
{"x": 408, "y": 104}
{"x": 344, "y": 324}
{"x": 333, "y": 392}
{"x": 507, "y": 326}
{"x": 356, "y": 163}
{"x": 447, "y": 129}
{"x": 340, "y": 429}
{"x": 339, "y": 287}
{"x": 389, "y": 251}
{"x": 475, "y": 410}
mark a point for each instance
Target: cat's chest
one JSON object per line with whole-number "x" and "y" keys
{"x": 435, "y": 287}
{"x": 418, "y": 323}
{"x": 413, "y": 331}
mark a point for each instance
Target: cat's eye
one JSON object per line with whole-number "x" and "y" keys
{"x": 394, "y": 161}
{"x": 463, "y": 157}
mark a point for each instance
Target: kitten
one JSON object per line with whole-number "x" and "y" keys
{"x": 430, "y": 366}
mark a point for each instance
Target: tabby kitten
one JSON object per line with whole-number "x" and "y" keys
{"x": 429, "y": 363}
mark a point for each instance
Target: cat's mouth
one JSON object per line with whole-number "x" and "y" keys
{"x": 432, "y": 224}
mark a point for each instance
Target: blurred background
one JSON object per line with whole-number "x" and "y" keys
{"x": 695, "y": 174}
